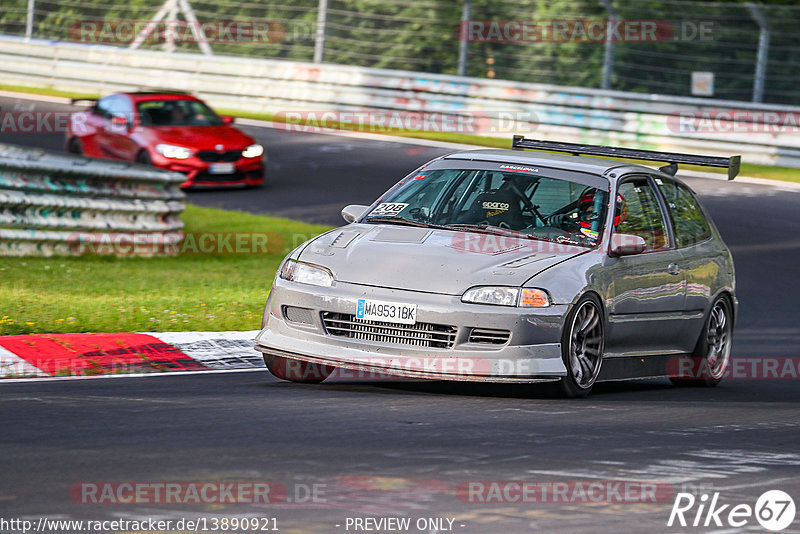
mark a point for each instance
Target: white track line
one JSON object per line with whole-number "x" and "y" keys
{"x": 127, "y": 375}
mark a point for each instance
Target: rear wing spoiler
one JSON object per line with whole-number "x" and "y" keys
{"x": 731, "y": 163}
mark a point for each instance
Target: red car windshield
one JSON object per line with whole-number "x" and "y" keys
{"x": 176, "y": 113}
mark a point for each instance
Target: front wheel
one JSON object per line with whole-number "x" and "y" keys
{"x": 296, "y": 370}
{"x": 582, "y": 345}
{"x": 713, "y": 351}
{"x": 74, "y": 146}
{"x": 144, "y": 158}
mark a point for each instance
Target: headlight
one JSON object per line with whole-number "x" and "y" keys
{"x": 499, "y": 296}
{"x": 305, "y": 273}
{"x": 507, "y": 296}
{"x": 174, "y": 152}
{"x": 253, "y": 151}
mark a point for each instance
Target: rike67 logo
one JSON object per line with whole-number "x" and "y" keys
{"x": 774, "y": 510}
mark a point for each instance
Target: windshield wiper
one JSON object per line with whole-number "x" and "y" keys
{"x": 489, "y": 229}
{"x": 394, "y": 219}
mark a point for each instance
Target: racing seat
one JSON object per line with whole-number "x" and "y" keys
{"x": 498, "y": 206}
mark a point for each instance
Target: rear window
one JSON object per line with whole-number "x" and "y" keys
{"x": 688, "y": 220}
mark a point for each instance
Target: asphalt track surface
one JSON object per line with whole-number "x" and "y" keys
{"x": 399, "y": 450}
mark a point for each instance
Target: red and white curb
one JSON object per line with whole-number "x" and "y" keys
{"x": 126, "y": 354}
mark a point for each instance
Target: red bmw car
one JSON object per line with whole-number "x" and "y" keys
{"x": 170, "y": 130}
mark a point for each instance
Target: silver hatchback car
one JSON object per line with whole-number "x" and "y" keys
{"x": 514, "y": 266}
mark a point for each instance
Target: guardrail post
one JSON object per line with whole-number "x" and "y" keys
{"x": 463, "y": 46}
{"x": 322, "y": 22}
{"x": 763, "y": 52}
{"x": 29, "y": 20}
{"x": 172, "y": 22}
{"x": 608, "y": 53}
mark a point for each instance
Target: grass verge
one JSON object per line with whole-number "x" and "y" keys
{"x": 189, "y": 291}
{"x": 747, "y": 169}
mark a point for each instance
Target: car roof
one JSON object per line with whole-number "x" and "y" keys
{"x": 585, "y": 164}
{"x": 143, "y": 96}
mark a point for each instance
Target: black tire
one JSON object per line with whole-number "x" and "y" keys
{"x": 582, "y": 344}
{"x": 144, "y": 158}
{"x": 712, "y": 353}
{"x": 74, "y": 146}
{"x": 297, "y": 371}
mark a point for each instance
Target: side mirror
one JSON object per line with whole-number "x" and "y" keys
{"x": 119, "y": 123}
{"x": 627, "y": 245}
{"x": 353, "y": 212}
{"x": 227, "y": 119}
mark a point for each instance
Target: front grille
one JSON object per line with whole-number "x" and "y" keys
{"x": 203, "y": 176}
{"x": 419, "y": 335}
{"x": 486, "y": 335}
{"x": 214, "y": 157}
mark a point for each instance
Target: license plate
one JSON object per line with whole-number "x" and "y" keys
{"x": 388, "y": 312}
{"x": 221, "y": 168}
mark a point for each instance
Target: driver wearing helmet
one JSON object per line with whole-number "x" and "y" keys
{"x": 579, "y": 217}
{"x": 582, "y": 217}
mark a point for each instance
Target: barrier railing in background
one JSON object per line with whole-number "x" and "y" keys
{"x": 53, "y": 204}
{"x": 744, "y": 51}
{"x": 763, "y": 134}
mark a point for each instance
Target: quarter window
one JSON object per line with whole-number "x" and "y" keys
{"x": 638, "y": 213}
{"x": 688, "y": 220}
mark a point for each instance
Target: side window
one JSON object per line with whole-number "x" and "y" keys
{"x": 637, "y": 212}
{"x": 103, "y": 107}
{"x": 120, "y": 106}
{"x": 688, "y": 220}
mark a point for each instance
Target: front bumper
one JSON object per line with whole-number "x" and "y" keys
{"x": 247, "y": 172}
{"x": 532, "y": 352}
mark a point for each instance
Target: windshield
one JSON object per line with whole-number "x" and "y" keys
{"x": 176, "y": 113}
{"x": 535, "y": 206}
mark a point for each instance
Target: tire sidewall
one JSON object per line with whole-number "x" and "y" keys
{"x": 700, "y": 353}
{"x": 74, "y": 146}
{"x": 144, "y": 158}
{"x": 569, "y": 386}
{"x": 701, "y": 350}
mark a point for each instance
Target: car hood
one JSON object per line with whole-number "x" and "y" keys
{"x": 433, "y": 261}
{"x": 200, "y": 137}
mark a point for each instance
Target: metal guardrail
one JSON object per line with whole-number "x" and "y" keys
{"x": 566, "y": 114}
{"x": 54, "y": 204}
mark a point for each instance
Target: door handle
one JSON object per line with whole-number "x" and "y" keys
{"x": 674, "y": 269}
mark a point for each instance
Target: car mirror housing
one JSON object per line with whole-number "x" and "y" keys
{"x": 353, "y": 212}
{"x": 627, "y": 245}
{"x": 120, "y": 122}
{"x": 227, "y": 119}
